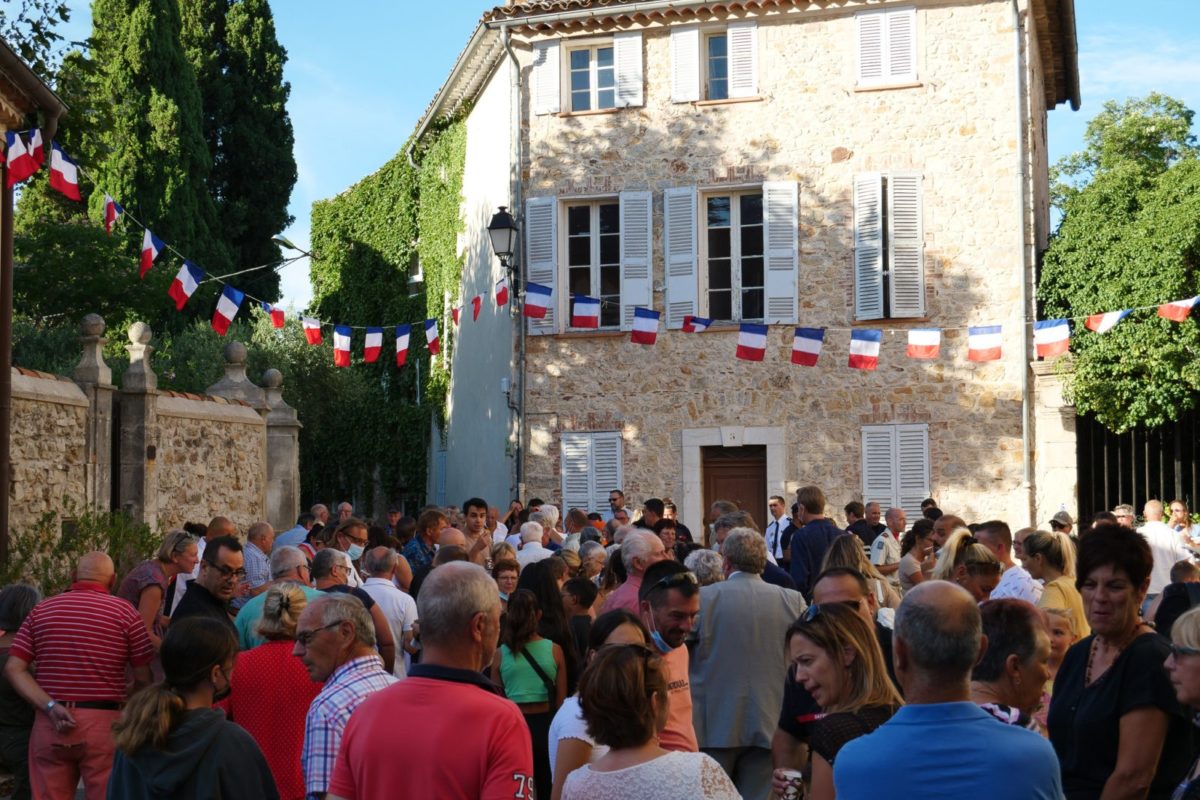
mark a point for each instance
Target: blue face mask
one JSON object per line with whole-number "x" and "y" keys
{"x": 355, "y": 551}
{"x": 660, "y": 642}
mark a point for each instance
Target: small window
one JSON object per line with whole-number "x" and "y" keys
{"x": 593, "y": 78}
{"x": 594, "y": 255}
{"x": 895, "y": 466}
{"x": 734, "y": 256}
{"x": 716, "y": 85}
{"x": 590, "y": 468}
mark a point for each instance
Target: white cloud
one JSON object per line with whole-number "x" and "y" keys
{"x": 1131, "y": 61}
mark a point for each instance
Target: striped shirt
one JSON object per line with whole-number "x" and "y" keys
{"x": 82, "y": 641}
{"x": 345, "y": 689}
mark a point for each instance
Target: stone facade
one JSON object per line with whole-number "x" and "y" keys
{"x": 49, "y": 416}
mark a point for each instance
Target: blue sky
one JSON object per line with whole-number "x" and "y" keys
{"x": 363, "y": 71}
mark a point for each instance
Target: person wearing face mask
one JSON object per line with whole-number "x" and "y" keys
{"x": 351, "y": 538}
{"x": 171, "y": 742}
{"x": 669, "y": 601}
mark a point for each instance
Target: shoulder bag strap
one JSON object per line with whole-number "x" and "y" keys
{"x": 551, "y": 687}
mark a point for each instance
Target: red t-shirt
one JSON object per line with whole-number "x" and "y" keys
{"x": 441, "y": 733}
{"x": 82, "y": 641}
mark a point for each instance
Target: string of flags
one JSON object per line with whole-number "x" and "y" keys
{"x": 25, "y": 156}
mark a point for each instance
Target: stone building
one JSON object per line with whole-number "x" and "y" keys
{"x": 838, "y": 165}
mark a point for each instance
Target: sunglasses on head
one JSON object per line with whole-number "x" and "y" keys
{"x": 814, "y": 611}
{"x": 677, "y": 580}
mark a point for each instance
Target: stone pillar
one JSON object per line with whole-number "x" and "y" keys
{"x": 1055, "y": 475}
{"x": 283, "y": 455}
{"x": 235, "y": 385}
{"x": 138, "y": 493}
{"x": 95, "y": 379}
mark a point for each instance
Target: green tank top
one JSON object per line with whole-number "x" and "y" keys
{"x": 521, "y": 683}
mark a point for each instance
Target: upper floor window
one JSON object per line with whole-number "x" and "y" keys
{"x": 889, "y": 246}
{"x": 594, "y": 255}
{"x": 733, "y": 257}
{"x": 714, "y": 64}
{"x": 887, "y": 46}
{"x": 593, "y": 78}
{"x": 587, "y": 75}
{"x": 716, "y": 85}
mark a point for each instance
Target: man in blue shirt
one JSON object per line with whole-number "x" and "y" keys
{"x": 937, "y": 640}
{"x": 809, "y": 544}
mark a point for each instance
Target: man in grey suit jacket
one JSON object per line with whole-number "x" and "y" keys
{"x": 738, "y": 665}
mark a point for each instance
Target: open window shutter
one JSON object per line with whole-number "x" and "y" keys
{"x": 575, "y": 467}
{"x": 635, "y": 254}
{"x": 541, "y": 256}
{"x": 627, "y": 55}
{"x": 868, "y": 246}
{"x": 743, "y": 59}
{"x": 870, "y": 47}
{"x": 879, "y": 465}
{"x": 782, "y": 201}
{"x": 685, "y": 63}
{"x": 679, "y": 244}
{"x": 906, "y": 262}
{"x": 901, "y": 45}
{"x": 546, "y": 75}
{"x": 912, "y": 467}
{"x": 606, "y": 467}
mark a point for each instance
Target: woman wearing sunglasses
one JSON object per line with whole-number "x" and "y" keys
{"x": 837, "y": 658}
{"x": 1183, "y": 665}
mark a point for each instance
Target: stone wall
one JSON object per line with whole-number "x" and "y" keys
{"x": 958, "y": 127}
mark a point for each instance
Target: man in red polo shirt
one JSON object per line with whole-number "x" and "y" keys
{"x": 468, "y": 743}
{"x": 82, "y": 640}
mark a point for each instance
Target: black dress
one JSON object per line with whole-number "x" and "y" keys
{"x": 832, "y": 731}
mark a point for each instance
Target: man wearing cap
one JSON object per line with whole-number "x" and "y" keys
{"x": 1062, "y": 522}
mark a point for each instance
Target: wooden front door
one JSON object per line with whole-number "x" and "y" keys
{"x": 738, "y": 474}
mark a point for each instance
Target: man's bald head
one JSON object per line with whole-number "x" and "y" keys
{"x": 452, "y": 536}
{"x": 96, "y": 567}
{"x": 941, "y": 629}
{"x": 220, "y": 526}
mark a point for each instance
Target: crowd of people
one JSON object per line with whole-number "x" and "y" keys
{"x": 475, "y": 652}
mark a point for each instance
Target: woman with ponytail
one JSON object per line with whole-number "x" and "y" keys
{"x": 171, "y": 742}
{"x": 969, "y": 564}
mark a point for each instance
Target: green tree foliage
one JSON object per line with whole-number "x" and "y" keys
{"x": 29, "y": 28}
{"x": 1129, "y": 236}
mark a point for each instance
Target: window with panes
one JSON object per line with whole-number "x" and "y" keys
{"x": 716, "y": 53}
{"x": 734, "y": 256}
{"x": 594, "y": 255}
{"x": 593, "y": 78}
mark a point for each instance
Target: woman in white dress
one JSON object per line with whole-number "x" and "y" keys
{"x": 623, "y": 693}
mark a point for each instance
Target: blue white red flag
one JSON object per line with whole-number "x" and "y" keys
{"x": 402, "y": 334}
{"x": 112, "y": 212}
{"x": 806, "y": 346}
{"x": 864, "y": 348}
{"x": 64, "y": 175}
{"x": 431, "y": 337}
{"x": 18, "y": 159}
{"x": 1178, "y": 310}
{"x": 645, "y": 326}
{"x": 37, "y": 148}
{"x": 1051, "y": 337}
{"x": 752, "y": 342}
{"x": 983, "y": 343}
{"x": 1103, "y": 323}
{"x": 537, "y": 300}
{"x": 585, "y": 312}
{"x": 276, "y": 314}
{"x": 151, "y": 247}
{"x": 372, "y": 345}
{"x": 341, "y": 345}
{"x": 693, "y": 324}
{"x": 227, "y": 307}
{"x": 312, "y": 329}
{"x": 185, "y": 284}
{"x": 924, "y": 343}
{"x": 502, "y": 292}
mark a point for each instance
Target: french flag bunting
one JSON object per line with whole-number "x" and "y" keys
{"x": 185, "y": 283}
{"x": 431, "y": 337}
{"x": 112, "y": 212}
{"x": 19, "y": 160}
{"x": 1179, "y": 310}
{"x": 227, "y": 307}
{"x": 454, "y": 312}
{"x": 341, "y": 345}
{"x": 373, "y": 345}
{"x": 537, "y": 300}
{"x": 806, "y": 346}
{"x": 502, "y": 292}
{"x": 924, "y": 343}
{"x": 151, "y": 247}
{"x": 585, "y": 312}
{"x": 1103, "y": 323}
{"x": 276, "y": 314}
{"x": 864, "y": 348}
{"x": 37, "y": 148}
{"x": 64, "y": 175}
{"x": 402, "y": 334}
{"x": 752, "y": 342}
{"x": 476, "y": 303}
{"x": 983, "y": 343}
{"x": 312, "y": 329}
{"x": 645, "y": 326}
{"x": 1051, "y": 337}
{"x": 693, "y": 324}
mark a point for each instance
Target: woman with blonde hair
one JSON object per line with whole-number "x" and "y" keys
{"x": 146, "y": 584}
{"x": 1061, "y": 625}
{"x": 837, "y": 659}
{"x": 969, "y": 564}
{"x": 847, "y": 551}
{"x": 271, "y": 690}
{"x": 1050, "y": 558}
{"x": 1183, "y": 665}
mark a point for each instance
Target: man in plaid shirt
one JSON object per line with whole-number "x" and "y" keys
{"x": 335, "y": 638}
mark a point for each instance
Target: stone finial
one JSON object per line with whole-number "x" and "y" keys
{"x": 235, "y": 353}
{"x": 140, "y": 376}
{"x": 279, "y": 413}
{"x": 140, "y": 333}
{"x": 272, "y": 379}
{"x": 91, "y": 368}
{"x": 235, "y": 385}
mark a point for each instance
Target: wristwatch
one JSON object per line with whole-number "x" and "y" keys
{"x": 49, "y": 706}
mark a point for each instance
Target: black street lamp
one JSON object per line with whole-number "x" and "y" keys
{"x": 502, "y": 230}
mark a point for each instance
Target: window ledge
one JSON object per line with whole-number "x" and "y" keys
{"x": 887, "y": 87}
{"x": 591, "y": 334}
{"x": 873, "y": 323}
{"x": 727, "y": 101}
{"x": 593, "y": 113}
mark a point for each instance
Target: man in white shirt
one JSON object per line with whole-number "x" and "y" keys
{"x": 499, "y": 529}
{"x": 531, "y": 545}
{"x": 1165, "y": 545}
{"x": 885, "y": 550}
{"x": 775, "y": 528}
{"x": 1016, "y": 581}
{"x": 398, "y": 607}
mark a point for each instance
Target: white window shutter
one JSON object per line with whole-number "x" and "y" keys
{"x": 879, "y": 465}
{"x": 635, "y": 254}
{"x": 685, "y": 63}
{"x": 743, "y": 59}
{"x": 541, "y": 256}
{"x": 576, "y": 470}
{"x": 868, "y": 246}
{"x": 606, "y": 467}
{"x": 906, "y": 246}
{"x": 627, "y": 55}
{"x": 782, "y": 202}
{"x": 870, "y": 25}
{"x": 901, "y": 45}
{"x": 679, "y": 245}
{"x": 547, "y": 96}
{"x": 912, "y": 467}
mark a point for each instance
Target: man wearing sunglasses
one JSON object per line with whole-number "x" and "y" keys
{"x": 221, "y": 572}
{"x": 669, "y": 601}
